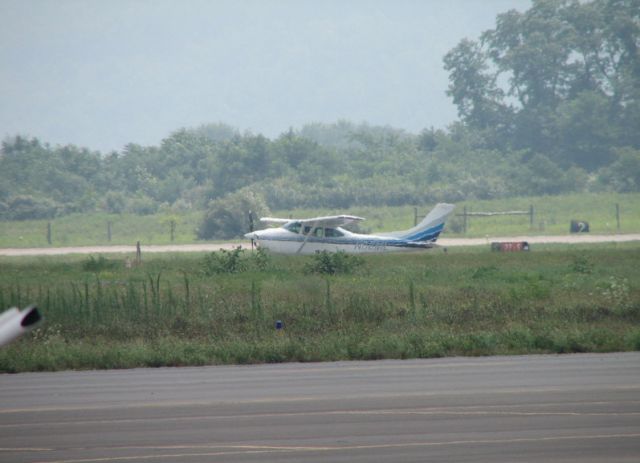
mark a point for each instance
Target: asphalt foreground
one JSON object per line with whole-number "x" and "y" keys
{"x": 569, "y": 408}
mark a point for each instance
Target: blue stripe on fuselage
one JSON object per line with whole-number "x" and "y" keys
{"x": 351, "y": 242}
{"x": 425, "y": 235}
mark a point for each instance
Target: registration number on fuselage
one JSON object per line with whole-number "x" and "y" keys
{"x": 370, "y": 246}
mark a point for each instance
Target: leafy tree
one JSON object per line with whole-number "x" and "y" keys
{"x": 473, "y": 88}
{"x": 571, "y": 78}
{"x": 240, "y": 163}
{"x": 30, "y": 208}
{"x": 339, "y": 135}
{"x": 623, "y": 175}
{"x": 429, "y": 139}
{"x": 584, "y": 134}
{"x": 228, "y": 217}
{"x": 216, "y": 133}
{"x": 142, "y": 205}
{"x": 541, "y": 176}
{"x": 23, "y": 163}
{"x": 533, "y": 49}
{"x": 188, "y": 153}
{"x": 114, "y": 202}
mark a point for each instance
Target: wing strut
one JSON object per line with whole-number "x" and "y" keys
{"x": 311, "y": 230}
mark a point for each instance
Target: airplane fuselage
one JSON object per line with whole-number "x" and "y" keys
{"x": 308, "y": 236}
{"x": 283, "y": 241}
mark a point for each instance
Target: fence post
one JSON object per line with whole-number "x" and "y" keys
{"x": 415, "y": 216}
{"x": 49, "y": 232}
{"x": 531, "y": 216}
{"x": 109, "y": 231}
{"x": 618, "y": 216}
{"x": 138, "y": 253}
{"x": 173, "y": 229}
{"x": 464, "y": 220}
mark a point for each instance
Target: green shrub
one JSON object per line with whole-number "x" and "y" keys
{"x": 98, "y": 265}
{"x": 224, "y": 262}
{"x": 235, "y": 261}
{"x": 332, "y": 263}
{"x": 261, "y": 259}
{"x": 581, "y": 264}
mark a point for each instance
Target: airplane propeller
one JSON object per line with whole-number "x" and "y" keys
{"x": 251, "y": 228}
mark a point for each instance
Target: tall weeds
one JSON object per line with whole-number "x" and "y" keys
{"x": 169, "y": 313}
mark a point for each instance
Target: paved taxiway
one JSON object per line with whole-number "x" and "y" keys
{"x": 572, "y": 408}
{"x": 210, "y": 247}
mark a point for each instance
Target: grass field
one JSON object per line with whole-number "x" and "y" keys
{"x": 552, "y": 215}
{"x": 92, "y": 229}
{"x": 172, "y": 310}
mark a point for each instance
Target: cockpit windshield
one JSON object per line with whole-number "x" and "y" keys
{"x": 293, "y": 227}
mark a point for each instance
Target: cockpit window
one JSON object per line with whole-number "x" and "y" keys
{"x": 293, "y": 227}
{"x": 319, "y": 232}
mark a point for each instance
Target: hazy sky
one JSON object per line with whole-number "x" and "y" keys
{"x": 105, "y": 73}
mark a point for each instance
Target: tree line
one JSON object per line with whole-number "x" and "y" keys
{"x": 561, "y": 80}
{"x": 549, "y": 103}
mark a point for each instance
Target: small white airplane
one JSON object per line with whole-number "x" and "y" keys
{"x": 308, "y": 236}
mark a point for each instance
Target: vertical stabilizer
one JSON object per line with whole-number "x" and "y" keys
{"x": 429, "y": 228}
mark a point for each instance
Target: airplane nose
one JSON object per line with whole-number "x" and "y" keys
{"x": 251, "y": 236}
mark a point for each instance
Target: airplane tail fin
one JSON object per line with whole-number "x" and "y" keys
{"x": 430, "y": 227}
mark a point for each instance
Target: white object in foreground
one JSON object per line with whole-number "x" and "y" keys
{"x": 14, "y": 323}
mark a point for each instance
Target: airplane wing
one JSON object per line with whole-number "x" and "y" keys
{"x": 274, "y": 220}
{"x": 332, "y": 221}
